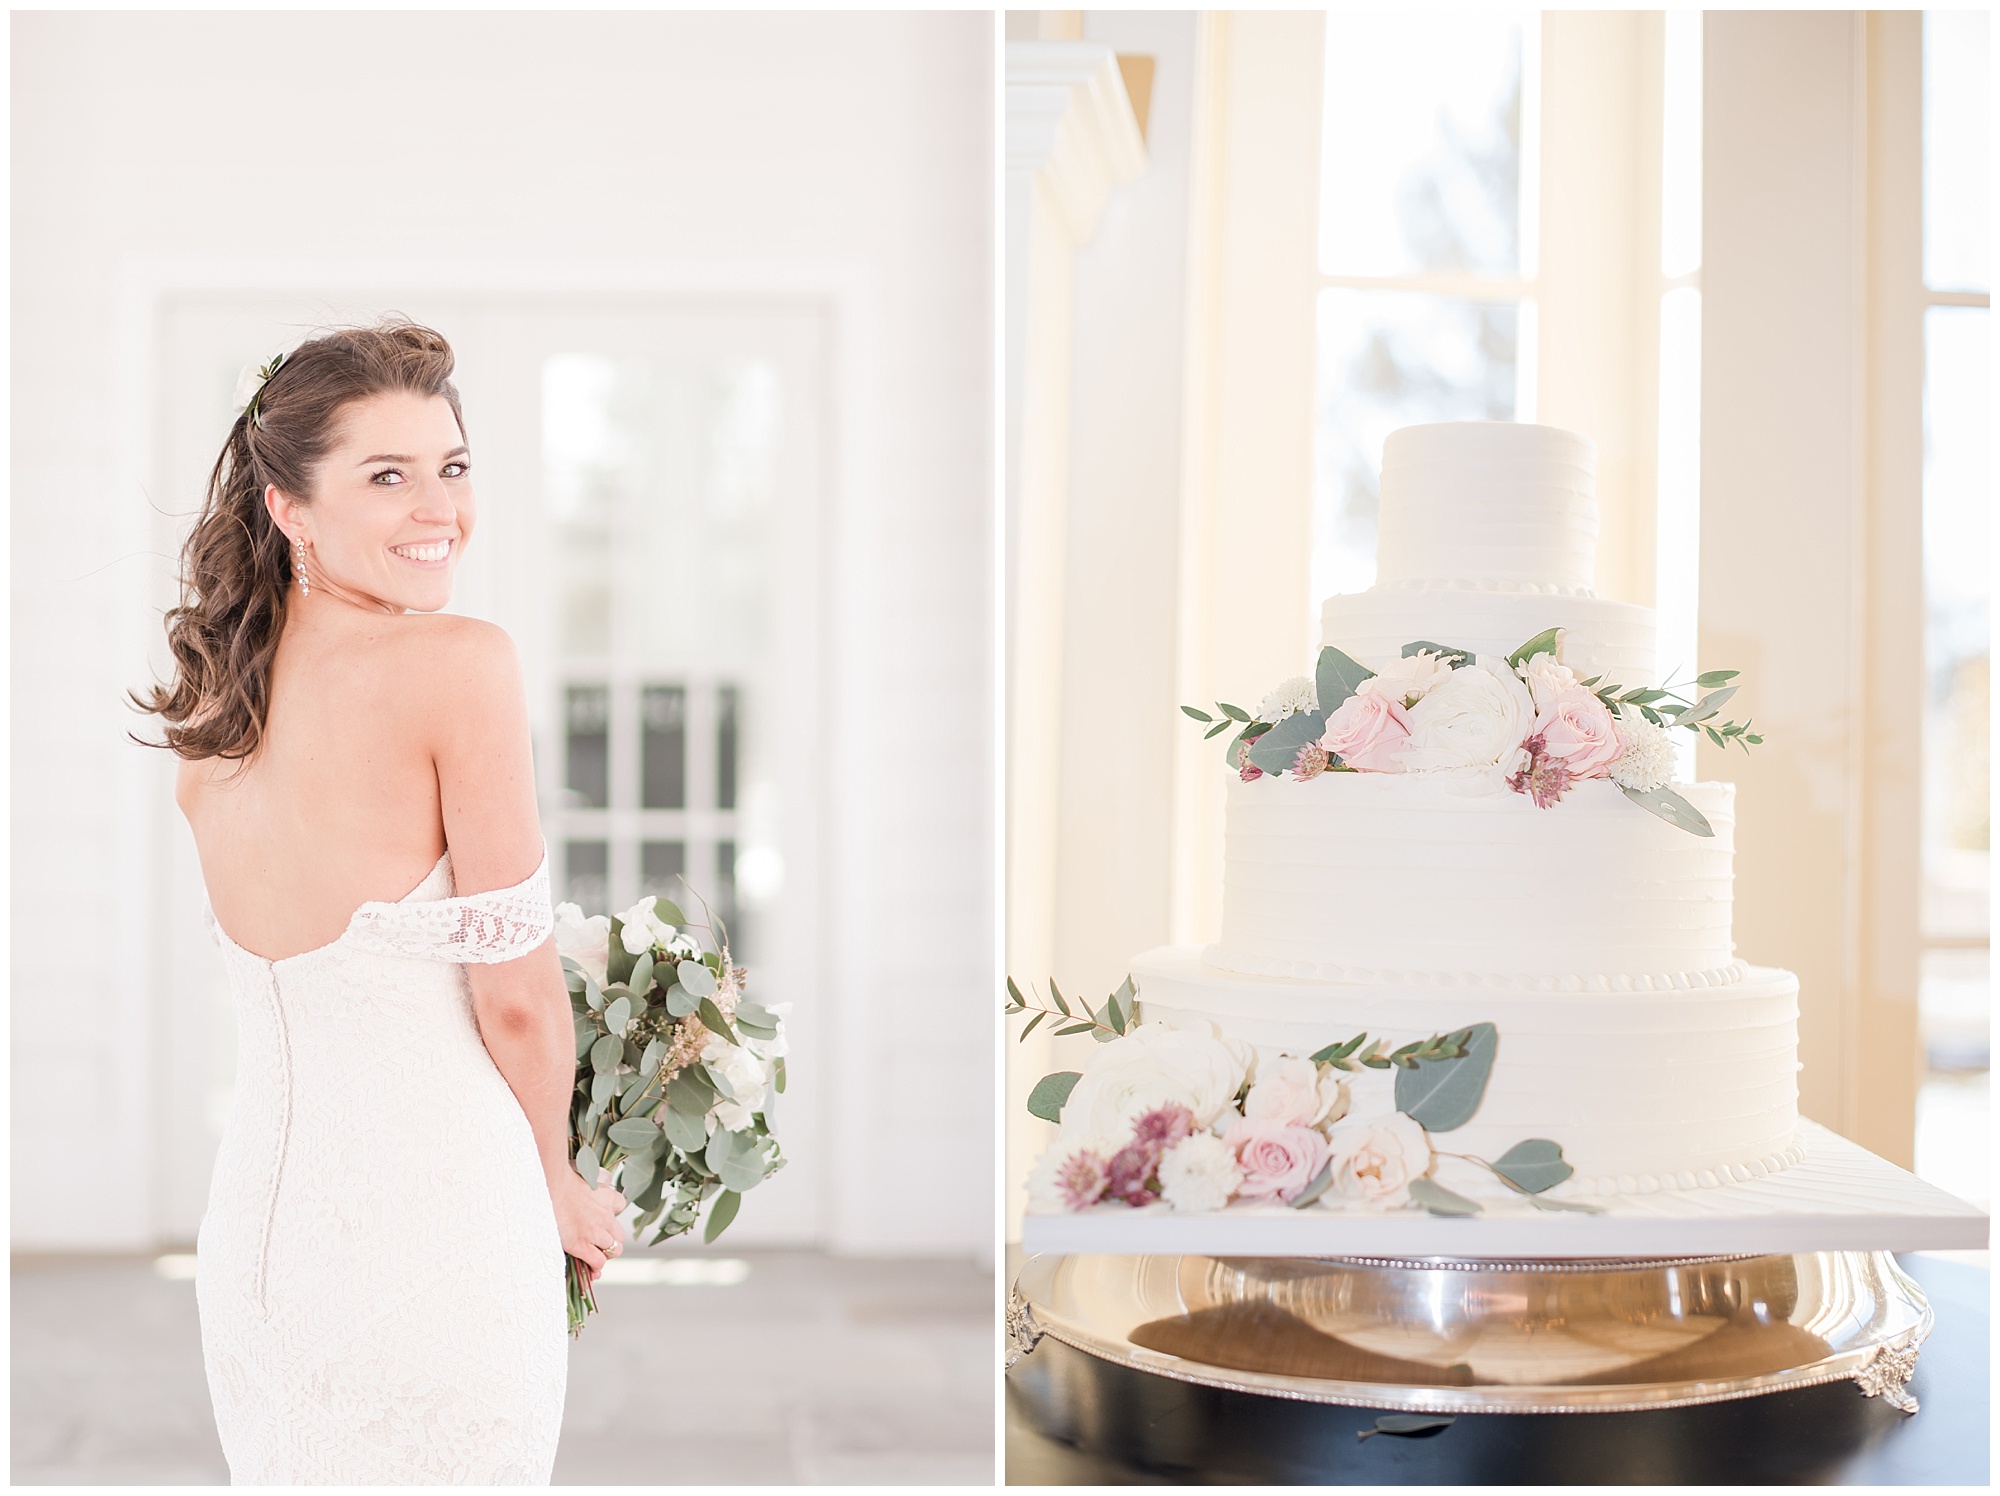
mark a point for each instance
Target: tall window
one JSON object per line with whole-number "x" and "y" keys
{"x": 658, "y": 482}
{"x": 1958, "y": 500}
{"x": 1426, "y": 252}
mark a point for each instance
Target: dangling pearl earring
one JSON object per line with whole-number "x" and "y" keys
{"x": 299, "y": 566}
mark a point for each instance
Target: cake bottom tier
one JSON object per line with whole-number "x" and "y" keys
{"x": 1644, "y": 1090}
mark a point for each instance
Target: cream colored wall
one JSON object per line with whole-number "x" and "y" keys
{"x": 1810, "y": 522}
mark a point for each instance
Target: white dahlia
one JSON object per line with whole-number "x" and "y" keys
{"x": 1645, "y": 755}
{"x": 1199, "y": 1173}
{"x": 1295, "y": 695}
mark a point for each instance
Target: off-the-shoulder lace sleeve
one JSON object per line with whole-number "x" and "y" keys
{"x": 473, "y": 929}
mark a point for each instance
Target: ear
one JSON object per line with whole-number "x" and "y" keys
{"x": 286, "y": 513}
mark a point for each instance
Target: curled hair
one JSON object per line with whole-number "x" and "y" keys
{"x": 236, "y": 566}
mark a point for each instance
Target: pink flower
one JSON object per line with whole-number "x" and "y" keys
{"x": 1578, "y": 730}
{"x": 1278, "y": 1158}
{"x": 1132, "y": 1174}
{"x": 1368, "y": 732}
{"x": 1165, "y": 1125}
{"x": 1246, "y": 770}
{"x": 1081, "y": 1179}
{"x": 1543, "y": 779}
{"x": 1310, "y": 763}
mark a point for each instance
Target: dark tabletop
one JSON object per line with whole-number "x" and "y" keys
{"x": 1072, "y": 1420}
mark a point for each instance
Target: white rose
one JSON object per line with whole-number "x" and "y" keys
{"x": 641, "y": 928}
{"x": 1408, "y": 678}
{"x": 1199, "y": 1173}
{"x": 743, "y": 1078}
{"x": 1474, "y": 720}
{"x": 1548, "y": 678}
{"x": 1294, "y": 1092}
{"x": 1295, "y": 695}
{"x": 1376, "y": 1158}
{"x": 1151, "y": 1067}
{"x": 587, "y": 942}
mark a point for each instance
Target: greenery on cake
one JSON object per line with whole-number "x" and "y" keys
{"x": 1160, "y": 1115}
{"x": 1527, "y": 719}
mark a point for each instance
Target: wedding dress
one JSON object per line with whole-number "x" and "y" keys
{"x": 379, "y": 1273}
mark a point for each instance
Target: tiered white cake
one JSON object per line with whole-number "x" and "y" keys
{"x": 1595, "y": 936}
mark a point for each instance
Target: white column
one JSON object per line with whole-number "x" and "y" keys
{"x": 1071, "y": 137}
{"x": 1811, "y": 474}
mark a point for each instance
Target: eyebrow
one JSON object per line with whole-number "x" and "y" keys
{"x": 405, "y": 457}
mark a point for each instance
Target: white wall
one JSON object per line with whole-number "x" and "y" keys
{"x": 841, "y": 158}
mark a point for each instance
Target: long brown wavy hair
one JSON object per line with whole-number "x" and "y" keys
{"x": 236, "y": 566}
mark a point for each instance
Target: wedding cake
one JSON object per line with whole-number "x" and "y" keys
{"x": 1593, "y": 936}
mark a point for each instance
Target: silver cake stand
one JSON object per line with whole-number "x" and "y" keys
{"x": 1454, "y": 1336}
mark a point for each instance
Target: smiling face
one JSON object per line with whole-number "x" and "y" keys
{"x": 391, "y": 507}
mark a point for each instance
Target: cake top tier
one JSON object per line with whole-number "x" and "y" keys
{"x": 1491, "y": 503}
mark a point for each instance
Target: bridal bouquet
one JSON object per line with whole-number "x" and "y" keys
{"x": 675, "y": 1071}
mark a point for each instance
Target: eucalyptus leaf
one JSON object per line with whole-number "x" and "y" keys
{"x": 1548, "y": 641}
{"x": 714, "y": 1022}
{"x": 1443, "y": 1094}
{"x": 1672, "y": 809}
{"x": 655, "y": 1051}
{"x": 1336, "y": 677}
{"x": 689, "y": 1096}
{"x": 1275, "y": 750}
{"x": 1198, "y": 714}
{"x": 697, "y": 978}
{"x": 1459, "y": 657}
{"x": 778, "y": 1065}
{"x": 586, "y": 1164}
{"x": 572, "y": 978}
{"x": 686, "y": 1132}
{"x": 636, "y": 1177}
{"x": 602, "y": 1085}
{"x": 755, "y": 1030}
{"x": 1051, "y": 1094}
{"x": 633, "y": 1133}
{"x": 593, "y": 994}
{"x": 723, "y": 1212}
{"x": 1535, "y": 1165}
{"x": 619, "y": 962}
{"x": 680, "y": 1001}
{"x": 1440, "y": 1201}
{"x": 669, "y": 913}
{"x": 642, "y": 975}
{"x": 757, "y": 1013}
{"x": 586, "y": 1035}
{"x": 606, "y": 1053}
{"x": 1715, "y": 677}
{"x": 1316, "y": 1187}
{"x": 618, "y": 1015}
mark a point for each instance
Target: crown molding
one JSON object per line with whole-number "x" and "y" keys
{"x": 1070, "y": 123}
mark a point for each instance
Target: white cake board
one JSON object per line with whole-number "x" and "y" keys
{"x": 1841, "y": 1198}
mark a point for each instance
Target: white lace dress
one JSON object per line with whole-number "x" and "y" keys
{"x": 379, "y": 1272}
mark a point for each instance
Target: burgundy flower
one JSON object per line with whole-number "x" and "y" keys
{"x": 1246, "y": 770}
{"x": 1545, "y": 778}
{"x": 1310, "y": 762}
{"x": 1165, "y": 1125}
{"x": 1133, "y": 1173}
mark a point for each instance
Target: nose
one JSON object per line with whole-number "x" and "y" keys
{"x": 434, "y": 504}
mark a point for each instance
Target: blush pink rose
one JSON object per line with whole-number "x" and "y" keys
{"x": 1278, "y": 1159}
{"x": 1368, "y": 732}
{"x": 1576, "y": 728}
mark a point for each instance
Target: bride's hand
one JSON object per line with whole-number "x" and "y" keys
{"x": 587, "y": 1220}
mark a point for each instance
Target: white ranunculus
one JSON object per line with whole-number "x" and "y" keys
{"x": 744, "y": 1075}
{"x": 1150, "y": 1067}
{"x": 1548, "y": 678}
{"x": 1294, "y": 1092}
{"x": 587, "y": 942}
{"x": 1375, "y": 1158}
{"x": 1294, "y": 696}
{"x": 1199, "y": 1173}
{"x": 1408, "y": 678}
{"x": 641, "y": 928}
{"x": 1476, "y": 719}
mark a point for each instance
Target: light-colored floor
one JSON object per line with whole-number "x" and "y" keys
{"x": 810, "y": 1369}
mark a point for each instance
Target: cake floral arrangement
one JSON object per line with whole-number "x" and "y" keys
{"x": 1526, "y": 718}
{"x": 1165, "y": 1116}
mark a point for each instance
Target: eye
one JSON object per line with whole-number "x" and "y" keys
{"x": 393, "y": 475}
{"x": 457, "y": 469}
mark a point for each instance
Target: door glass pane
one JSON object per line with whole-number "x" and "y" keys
{"x": 1420, "y": 167}
{"x": 1389, "y": 359}
{"x": 661, "y": 864}
{"x": 1958, "y": 91}
{"x": 725, "y": 748}
{"x": 663, "y": 748}
{"x": 587, "y": 746}
{"x": 586, "y": 875}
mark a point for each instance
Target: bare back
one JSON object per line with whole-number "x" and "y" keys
{"x": 346, "y": 800}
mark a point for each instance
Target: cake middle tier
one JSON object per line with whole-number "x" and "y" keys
{"x": 1452, "y": 880}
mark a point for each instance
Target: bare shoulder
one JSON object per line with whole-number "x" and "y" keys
{"x": 461, "y": 670}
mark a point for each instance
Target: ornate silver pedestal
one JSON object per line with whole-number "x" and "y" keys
{"x": 1434, "y": 1335}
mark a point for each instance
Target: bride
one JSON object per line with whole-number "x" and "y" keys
{"x": 380, "y": 1268}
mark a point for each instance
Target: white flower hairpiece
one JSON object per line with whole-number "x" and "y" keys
{"x": 250, "y": 388}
